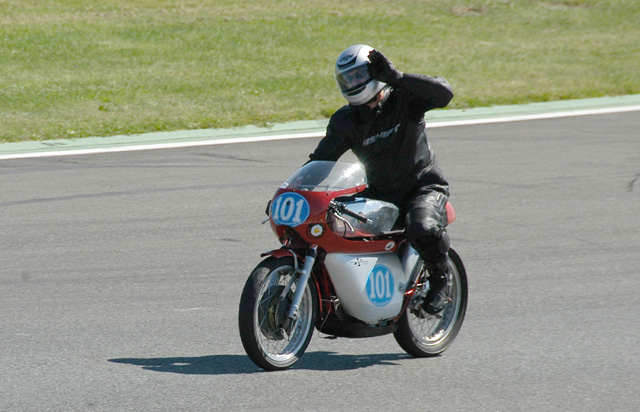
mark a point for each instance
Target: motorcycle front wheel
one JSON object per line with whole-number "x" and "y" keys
{"x": 424, "y": 335}
{"x": 271, "y": 340}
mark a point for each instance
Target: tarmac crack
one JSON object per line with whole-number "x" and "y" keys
{"x": 633, "y": 182}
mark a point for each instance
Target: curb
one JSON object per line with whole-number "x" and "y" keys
{"x": 314, "y": 128}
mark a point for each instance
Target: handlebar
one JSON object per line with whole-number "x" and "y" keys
{"x": 341, "y": 208}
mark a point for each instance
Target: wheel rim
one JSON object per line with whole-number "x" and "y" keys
{"x": 431, "y": 330}
{"x": 279, "y": 345}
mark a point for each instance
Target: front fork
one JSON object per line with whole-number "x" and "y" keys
{"x": 303, "y": 279}
{"x": 303, "y": 276}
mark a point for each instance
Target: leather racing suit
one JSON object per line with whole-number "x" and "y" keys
{"x": 391, "y": 143}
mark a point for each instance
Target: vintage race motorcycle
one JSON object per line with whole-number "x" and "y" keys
{"x": 344, "y": 268}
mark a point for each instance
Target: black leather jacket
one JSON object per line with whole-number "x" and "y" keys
{"x": 391, "y": 140}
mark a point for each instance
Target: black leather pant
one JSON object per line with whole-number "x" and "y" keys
{"x": 425, "y": 222}
{"x": 425, "y": 227}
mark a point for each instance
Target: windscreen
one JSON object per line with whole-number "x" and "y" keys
{"x": 326, "y": 176}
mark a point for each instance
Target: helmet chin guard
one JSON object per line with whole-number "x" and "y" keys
{"x": 353, "y": 77}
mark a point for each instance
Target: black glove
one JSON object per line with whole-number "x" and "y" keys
{"x": 382, "y": 69}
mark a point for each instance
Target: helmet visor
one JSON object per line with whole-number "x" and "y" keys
{"x": 353, "y": 78}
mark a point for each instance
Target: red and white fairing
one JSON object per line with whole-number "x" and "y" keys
{"x": 368, "y": 273}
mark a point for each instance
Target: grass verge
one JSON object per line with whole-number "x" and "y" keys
{"x": 76, "y": 68}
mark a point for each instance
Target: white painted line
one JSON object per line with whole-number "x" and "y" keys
{"x": 151, "y": 146}
{"x": 539, "y": 116}
{"x": 431, "y": 125}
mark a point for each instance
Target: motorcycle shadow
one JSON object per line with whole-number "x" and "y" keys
{"x": 240, "y": 364}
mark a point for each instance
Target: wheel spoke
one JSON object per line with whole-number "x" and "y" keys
{"x": 277, "y": 343}
{"x": 263, "y": 312}
{"x": 432, "y": 329}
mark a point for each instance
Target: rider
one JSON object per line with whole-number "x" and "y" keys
{"x": 384, "y": 126}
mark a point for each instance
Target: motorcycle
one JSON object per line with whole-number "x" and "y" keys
{"x": 345, "y": 269}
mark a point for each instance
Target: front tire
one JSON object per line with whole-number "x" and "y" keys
{"x": 424, "y": 335}
{"x": 271, "y": 342}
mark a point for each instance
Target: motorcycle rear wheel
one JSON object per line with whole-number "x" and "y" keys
{"x": 424, "y": 335}
{"x": 268, "y": 341}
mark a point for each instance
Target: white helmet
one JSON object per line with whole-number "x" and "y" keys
{"x": 353, "y": 77}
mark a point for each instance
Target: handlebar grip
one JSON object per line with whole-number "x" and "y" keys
{"x": 356, "y": 216}
{"x": 342, "y": 208}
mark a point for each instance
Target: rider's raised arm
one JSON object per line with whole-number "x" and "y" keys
{"x": 435, "y": 91}
{"x": 432, "y": 92}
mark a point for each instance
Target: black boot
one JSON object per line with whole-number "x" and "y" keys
{"x": 437, "y": 296}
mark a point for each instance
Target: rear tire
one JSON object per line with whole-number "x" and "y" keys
{"x": 424, "y": 335}
{"x": 268, "y": 341}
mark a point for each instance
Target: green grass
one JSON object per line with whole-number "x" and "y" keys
{"x": 71, "y": 68}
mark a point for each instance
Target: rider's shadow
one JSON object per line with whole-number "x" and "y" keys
{"x": 240, "y": 364}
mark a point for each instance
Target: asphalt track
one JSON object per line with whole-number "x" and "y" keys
{"x": 120, "y": 275}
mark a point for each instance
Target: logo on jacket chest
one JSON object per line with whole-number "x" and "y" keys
{"x": 382, "y": 135}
